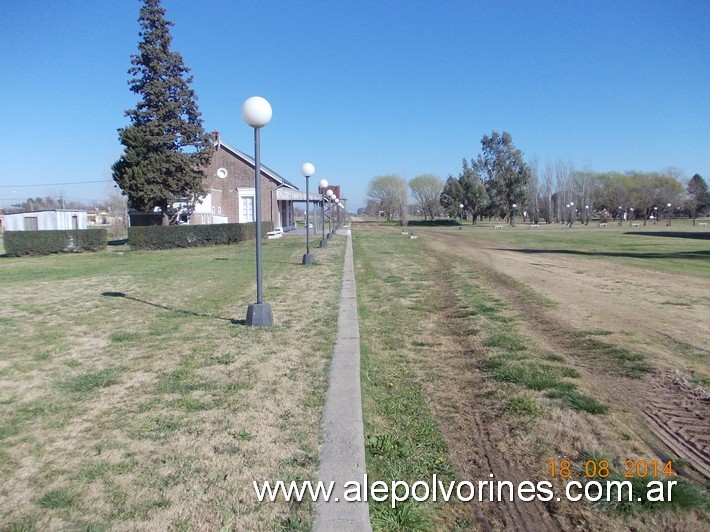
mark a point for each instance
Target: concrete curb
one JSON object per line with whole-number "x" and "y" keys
{"x": 343, "y": 449}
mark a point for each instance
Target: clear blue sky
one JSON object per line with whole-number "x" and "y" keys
{"x": 365, "y": 88}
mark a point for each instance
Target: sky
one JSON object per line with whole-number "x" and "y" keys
{"x": 364, "y": 88}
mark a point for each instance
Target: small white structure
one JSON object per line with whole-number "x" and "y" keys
{"x": 53, "y": 220}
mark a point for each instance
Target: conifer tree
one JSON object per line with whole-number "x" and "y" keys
{"x": 165, "y": 146}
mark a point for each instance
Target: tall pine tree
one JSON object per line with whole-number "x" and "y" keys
{"x": 165, "y": 147}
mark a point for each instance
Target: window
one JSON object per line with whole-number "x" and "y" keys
{"x": 247, "y": 209}
{"x": 219, "y": 210}
{"x": 31, "y": 223}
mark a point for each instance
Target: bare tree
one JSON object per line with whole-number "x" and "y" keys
{"x": 533, "y": 205}
{"x": 585, "y": 187}
{"x": 426, "y": 190}
{"x": 563, "y": 173}
{"x": 117, "y": 209}
{"x": 386, "y": 190}
{"x": 403, "y": 203}
{"x": 547, "y": 190}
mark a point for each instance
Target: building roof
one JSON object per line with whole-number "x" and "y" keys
{"x": 250, "y": 161}
{"x": 295, "y": 195}
{"x": 44, "y": 210}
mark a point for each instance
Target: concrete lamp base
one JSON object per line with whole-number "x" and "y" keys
{"x": 308, "y": 259}
{"x": 323, "y": 243}
{"x": 259, "y": 315}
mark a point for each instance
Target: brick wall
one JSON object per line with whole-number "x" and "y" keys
{"x": 240, "y": 176}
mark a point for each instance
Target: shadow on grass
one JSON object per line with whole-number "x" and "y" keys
{"x": 703, "y": 254}
{"x": 700, "y": 235}
{"x": 187, "y": 312}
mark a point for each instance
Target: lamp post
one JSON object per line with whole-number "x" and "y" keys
{"x": 512, "y": 215}
{"x": 256, "y": 112}
{"x": 307, "y": 170}
{"x": 621, "y": 219}
{"x": 669, "y": 214}
{"x": 631, "y": 215}
{"x": 655, "y": 215}
{"x": 323, "y": 185}
{"x": 586, "y": 215}
{"x": 330, "y": 195}
{"x": 572, "y": 214}
{"x": 336, "y": 224}
{"x": 461, "y": 211}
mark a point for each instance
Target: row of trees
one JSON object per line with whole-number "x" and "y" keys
{"x": 47, "y": 203}
{"x": 498, "y": 178}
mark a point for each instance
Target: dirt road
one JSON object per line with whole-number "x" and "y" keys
{"x": 664, "y": 317}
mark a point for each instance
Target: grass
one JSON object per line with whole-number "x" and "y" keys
{"x": 131, "y": 382}
{"x": 421, "y": 315}
{"x": 655, "y": 247}
{"x": 90, "y": 381}
{"x": 149, "y": 404}
{"x": 612, "y": 357}
{"x": 685, "y": 495}
{"x": 402, "y": 438}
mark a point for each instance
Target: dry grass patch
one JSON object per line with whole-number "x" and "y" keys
{"x": 152, "y": 406}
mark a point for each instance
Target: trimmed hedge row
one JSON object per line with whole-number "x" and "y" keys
{"x": 187, "y": 236}
{"x": 21, "y": 243}
{"x": 434, "y": 223}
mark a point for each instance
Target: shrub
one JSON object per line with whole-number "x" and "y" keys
{"x": 434, "y": 223}
{"x": 21, "y": 243}
{"x": 186, "y": 236}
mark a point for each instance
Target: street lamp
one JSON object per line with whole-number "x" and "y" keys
{"x": 631, "y": 215}
{"x": 256, "y": 112}
{"x": 512, "y": 216}
{"x": 655, "y": 215}
{"x": 337, "y": 219}
{"x": 323, "y": 185}
{"x": 330, "y": 195}
{"x": 461, "y": 211}
{"x": 307, "y": 170}
{"x": 669, "y": 214}
{"x": 572, "y": 213}
{"x": 621, "y": 219}
{"x": 586, "y": 215}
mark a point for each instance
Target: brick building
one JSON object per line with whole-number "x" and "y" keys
{"x": 231, "y": 195}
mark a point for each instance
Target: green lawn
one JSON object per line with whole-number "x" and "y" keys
{"x": 132, "y": 395}
{"x": 680, "y": 249}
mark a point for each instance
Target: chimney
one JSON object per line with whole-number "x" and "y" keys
{"x": 215, "y": 136}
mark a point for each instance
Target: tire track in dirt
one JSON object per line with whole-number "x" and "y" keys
{"x": 670, "y": 408}
{"x": 680, "y": 416}
{"x": 483, "y": 445}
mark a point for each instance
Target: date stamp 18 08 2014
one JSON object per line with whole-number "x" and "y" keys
{"x": 602, "y": 469}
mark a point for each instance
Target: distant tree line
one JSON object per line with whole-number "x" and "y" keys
{"x": 498, "y": 181}
{"x": 47, "y": 203}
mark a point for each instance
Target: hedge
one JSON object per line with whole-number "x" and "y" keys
{"x": 187, "y": 236}
{"x": 21, "y": 243}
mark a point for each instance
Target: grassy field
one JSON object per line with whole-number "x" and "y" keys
{"x": 454, "y": 385}
{"x": 681, "y": 248}
{"x": 133, "y": 396}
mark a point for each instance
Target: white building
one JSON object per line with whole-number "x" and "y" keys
{"x": 52, "y": 220}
